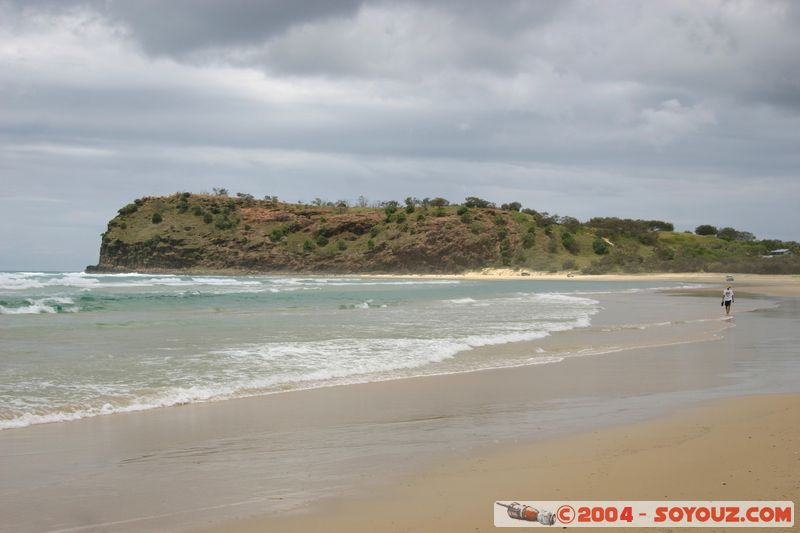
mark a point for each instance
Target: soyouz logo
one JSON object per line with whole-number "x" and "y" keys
{"x": 644, "y": 513}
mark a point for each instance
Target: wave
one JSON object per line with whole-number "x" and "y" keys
{"x": 53, "y": 305}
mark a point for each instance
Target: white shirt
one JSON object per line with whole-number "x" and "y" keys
{"x": 727, "y": 295}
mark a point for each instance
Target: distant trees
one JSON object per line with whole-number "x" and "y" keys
{"x": 474, "y": 201}
{"x": 220, "y": 191}
{"x": 572, "y": 224}
{"x": 513, "y": 206}
{"x": 730, "y": 234}
{"x": 705, "y": 229}
{"x": 660, "y": 225}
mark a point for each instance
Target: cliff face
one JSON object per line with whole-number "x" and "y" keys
{"x": 200, "y": 232}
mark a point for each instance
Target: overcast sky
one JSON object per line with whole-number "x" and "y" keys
{"x": 685, "y": 111}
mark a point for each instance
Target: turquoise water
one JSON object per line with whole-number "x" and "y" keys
{"x": 77, "y": 345}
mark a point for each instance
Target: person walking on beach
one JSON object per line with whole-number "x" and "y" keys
{"x": 727, "y": 299}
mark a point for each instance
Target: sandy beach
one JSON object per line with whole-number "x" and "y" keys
{"x": 670, "y": 401}
{"x": 736, "y": 449}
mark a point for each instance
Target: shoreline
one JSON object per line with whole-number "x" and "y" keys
{"x": 577, "y": 337}
{"x": 765, "y": 284}
{"x": 356, "y": 438}
{"x": 740, "y": 448}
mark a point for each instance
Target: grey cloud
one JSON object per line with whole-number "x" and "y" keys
{"x": 177, "y": 27}
{"x": 642, "y": 109}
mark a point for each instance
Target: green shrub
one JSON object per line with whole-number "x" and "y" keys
{"x": 308, "y": 246}
{"x": 370, "y": 244}
{"x": 341, "y": 245}
{"x": 439, "y": 212}
{"x": 529, "y": 239}
{"x": 505, "y": 251}
{"x": 570, "y": 264}
{"x": 128, "y": 209}
{"x": 321, "y": 240}
{"x": 374, "y": 230}
{"x": 400, "y": 217}
{"x": 569, "y": 242}
{"x": 277, "y": 234}
{"x": 462, "y": 209}
{"x": 156, "y": 219}
{"x": 223, "y": 222}
{"x": 207, "y": 218}
{"x": 665, "y": 254}
{"x": 599, "y": 246}
{"x": 197, "y": 210}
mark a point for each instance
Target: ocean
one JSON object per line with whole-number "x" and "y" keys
{"x": 78, "y": 345}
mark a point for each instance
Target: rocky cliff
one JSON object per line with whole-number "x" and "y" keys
{"x": 205, "y": 233}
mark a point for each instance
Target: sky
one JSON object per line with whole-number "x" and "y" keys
{"x": 684, "y": 111}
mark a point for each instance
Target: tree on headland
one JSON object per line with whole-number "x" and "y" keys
{"x": 474, "y": 201}
{"x": 730, "y": 234}
{"x": 571, "y": 223}
{"x": 513, "y": 206}
{"x": 220, "y": 191}
{"x": 705, "y": 229}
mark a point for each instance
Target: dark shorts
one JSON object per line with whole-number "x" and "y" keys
{"x": 728, "y": 303}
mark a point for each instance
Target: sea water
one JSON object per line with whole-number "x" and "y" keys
{"x": 74, "y": 345}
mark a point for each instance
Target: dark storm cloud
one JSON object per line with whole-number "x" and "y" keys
{"x": 684, "y": 111}
{"x": 176, "y": 27}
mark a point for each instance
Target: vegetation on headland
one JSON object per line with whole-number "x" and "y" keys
{"x": 218, "y": 232}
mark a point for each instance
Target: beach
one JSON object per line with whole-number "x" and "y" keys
{"x": 657, "y": 396}
{"x": 735, "y": 449}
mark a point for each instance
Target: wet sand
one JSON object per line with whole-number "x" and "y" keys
{"x": 283, "y": 458}
{"x": 736, "y": 449}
